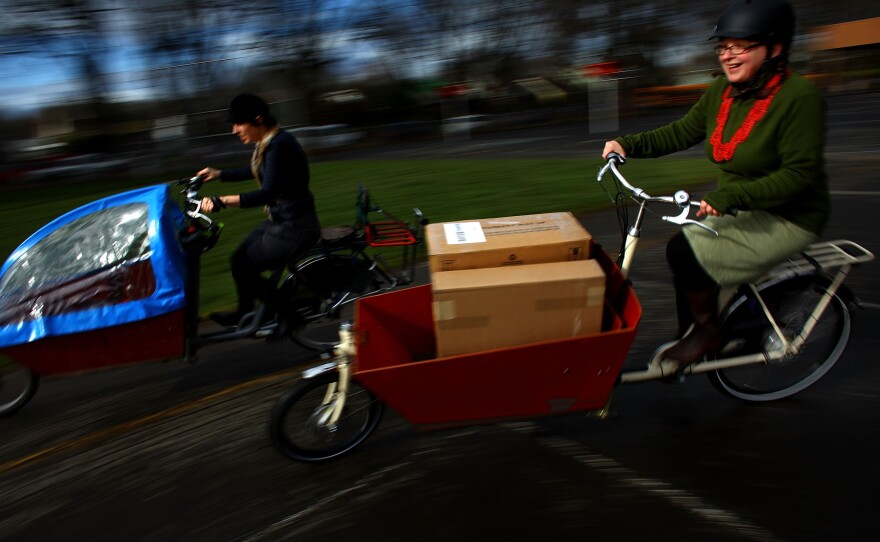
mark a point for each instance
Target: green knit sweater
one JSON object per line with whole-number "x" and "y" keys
{"x": 779, "y": 168}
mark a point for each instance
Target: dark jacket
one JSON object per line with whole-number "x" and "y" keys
{"x": 284, "y": 176}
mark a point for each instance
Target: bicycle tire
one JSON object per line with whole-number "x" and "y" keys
{"x": 296, "y": 425}
{"x": 18, "y": 385}
{"x": 747, "y": 332}
{"x": 313, "y": 290}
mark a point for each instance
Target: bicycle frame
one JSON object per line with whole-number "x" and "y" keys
{"x": 389, "y": 232}
{"x": 391, "y": 358}
{"x": 838, "y": 256}
{"x": 817, "y": 258}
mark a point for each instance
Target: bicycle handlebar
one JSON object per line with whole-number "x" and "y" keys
{"x": 193, "y": 200}
{"x": 681, "y": 198}
{"x": 193, "y": 184}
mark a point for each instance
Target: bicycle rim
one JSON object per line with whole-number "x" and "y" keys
{"x": 299, "y": 427}
{"x": 750, "y": 333}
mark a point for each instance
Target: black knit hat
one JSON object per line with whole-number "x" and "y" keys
{"x": 245, "y": 108}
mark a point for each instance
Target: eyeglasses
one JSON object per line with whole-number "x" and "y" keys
{"x": 735, "y": 50}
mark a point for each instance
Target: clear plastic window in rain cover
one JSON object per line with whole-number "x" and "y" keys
{"x": 98, "y": 241}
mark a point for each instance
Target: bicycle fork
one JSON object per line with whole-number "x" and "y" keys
{"x": 335, "y": 396}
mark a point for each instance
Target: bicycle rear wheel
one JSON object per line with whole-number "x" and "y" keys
{"x": 322, "y": 294}
{"x": 299, "y": 426}
{"x": 17, "y": 386}
{"x": 747, "y": 331}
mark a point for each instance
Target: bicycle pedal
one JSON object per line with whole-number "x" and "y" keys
{"x": 675, "y": 379}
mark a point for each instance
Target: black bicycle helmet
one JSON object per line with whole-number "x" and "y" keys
{"x": 766, "y": 21}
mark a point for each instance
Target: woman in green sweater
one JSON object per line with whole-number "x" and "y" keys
{"x": 765, "y": 128}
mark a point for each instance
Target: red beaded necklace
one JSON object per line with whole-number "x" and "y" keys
{"x": 722, "y": 152}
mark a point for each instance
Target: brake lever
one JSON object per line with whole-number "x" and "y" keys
{"x": 683, "y": 200}
{"x": 682, "y": 220}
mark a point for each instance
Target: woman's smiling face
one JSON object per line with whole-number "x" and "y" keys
{"x": 742, "y": 67}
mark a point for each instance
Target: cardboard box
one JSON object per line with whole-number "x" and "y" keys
{"x": 513, "y": 240}
{"x": 489, "y": 308}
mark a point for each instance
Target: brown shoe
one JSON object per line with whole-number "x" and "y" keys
{"x": 704, "y": 336}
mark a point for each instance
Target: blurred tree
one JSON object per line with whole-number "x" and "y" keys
{"x": 202, "y": 50}
{"x": 64, "y": 30}
{"x": 175, "y": 45}
{"x": 460, "y": 39}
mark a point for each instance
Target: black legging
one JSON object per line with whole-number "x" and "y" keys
{"x": 688, "y": 274}
{"x": 271, "y": 245}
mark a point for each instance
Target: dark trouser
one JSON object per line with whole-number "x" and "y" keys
{"x": 270, "y": 246}
{"x": 687, "y": 276}
{"x": 696, "y": 296}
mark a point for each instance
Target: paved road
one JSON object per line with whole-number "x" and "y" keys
{"x": 177, "y": 452}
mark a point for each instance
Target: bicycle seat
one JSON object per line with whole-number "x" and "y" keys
{"x": 338, "y": 235}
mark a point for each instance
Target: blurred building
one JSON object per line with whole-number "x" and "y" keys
{"x": 846, "y": 56}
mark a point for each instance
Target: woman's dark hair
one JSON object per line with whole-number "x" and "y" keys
{"x": 245, "y": 108}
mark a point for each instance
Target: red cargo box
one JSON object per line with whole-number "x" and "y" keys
{"x": 396, "y": 360}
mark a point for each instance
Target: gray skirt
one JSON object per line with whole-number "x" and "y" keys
{"x": 747, "y": 246}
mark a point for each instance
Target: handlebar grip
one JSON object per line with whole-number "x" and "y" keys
{"x": 217, "y": 203}
{"x": 619, "y": 159}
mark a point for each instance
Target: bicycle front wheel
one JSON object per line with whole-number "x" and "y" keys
{"x": 300, "y": 426}
{"x": 17, "y": 386}
{"x": 747, "y": 331}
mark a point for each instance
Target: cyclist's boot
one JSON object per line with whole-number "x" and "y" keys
{"x": 683, "y": 312}
{"x": 704, "y": 336}
{"x": 232, "y": 318}
{"x": 227, "y": 318}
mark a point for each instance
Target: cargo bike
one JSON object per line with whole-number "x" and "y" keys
{"x": 780, "y": 335}
{"x": 117, "y": 282}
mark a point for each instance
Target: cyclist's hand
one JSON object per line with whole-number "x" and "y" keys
{"x": 212, "y": 204}
{"x": 707, "y": 210}
{"x": 209, "y": 174}
{"x": 612, "y": 146}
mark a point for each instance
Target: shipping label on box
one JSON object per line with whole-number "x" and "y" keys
{"x": 489, "y": 308}
{"x": 514, "y": 240}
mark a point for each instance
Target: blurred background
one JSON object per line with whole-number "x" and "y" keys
{"x": 112, "y": 88}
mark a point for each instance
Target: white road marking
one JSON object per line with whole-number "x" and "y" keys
{"x": 326, "y": 501}
{"x": 676, "y": 497}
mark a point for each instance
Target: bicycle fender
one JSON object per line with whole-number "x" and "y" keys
{"x": 318, "y": 370}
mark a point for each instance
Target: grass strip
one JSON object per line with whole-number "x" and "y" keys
{"x": 445, "y": 190}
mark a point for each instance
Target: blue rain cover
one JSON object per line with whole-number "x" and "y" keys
{"x": 113, "y": 261}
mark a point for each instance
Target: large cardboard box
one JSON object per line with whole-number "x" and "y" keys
{"x": 489, "y": 308}
{"x": 506, "y": 241}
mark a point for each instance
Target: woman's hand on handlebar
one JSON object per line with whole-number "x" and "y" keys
{"x": 209, "y": 174}
{"x": 612, "y": 146}
{"x": 212, "y": 204}
{"x": 707, "y": 210}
